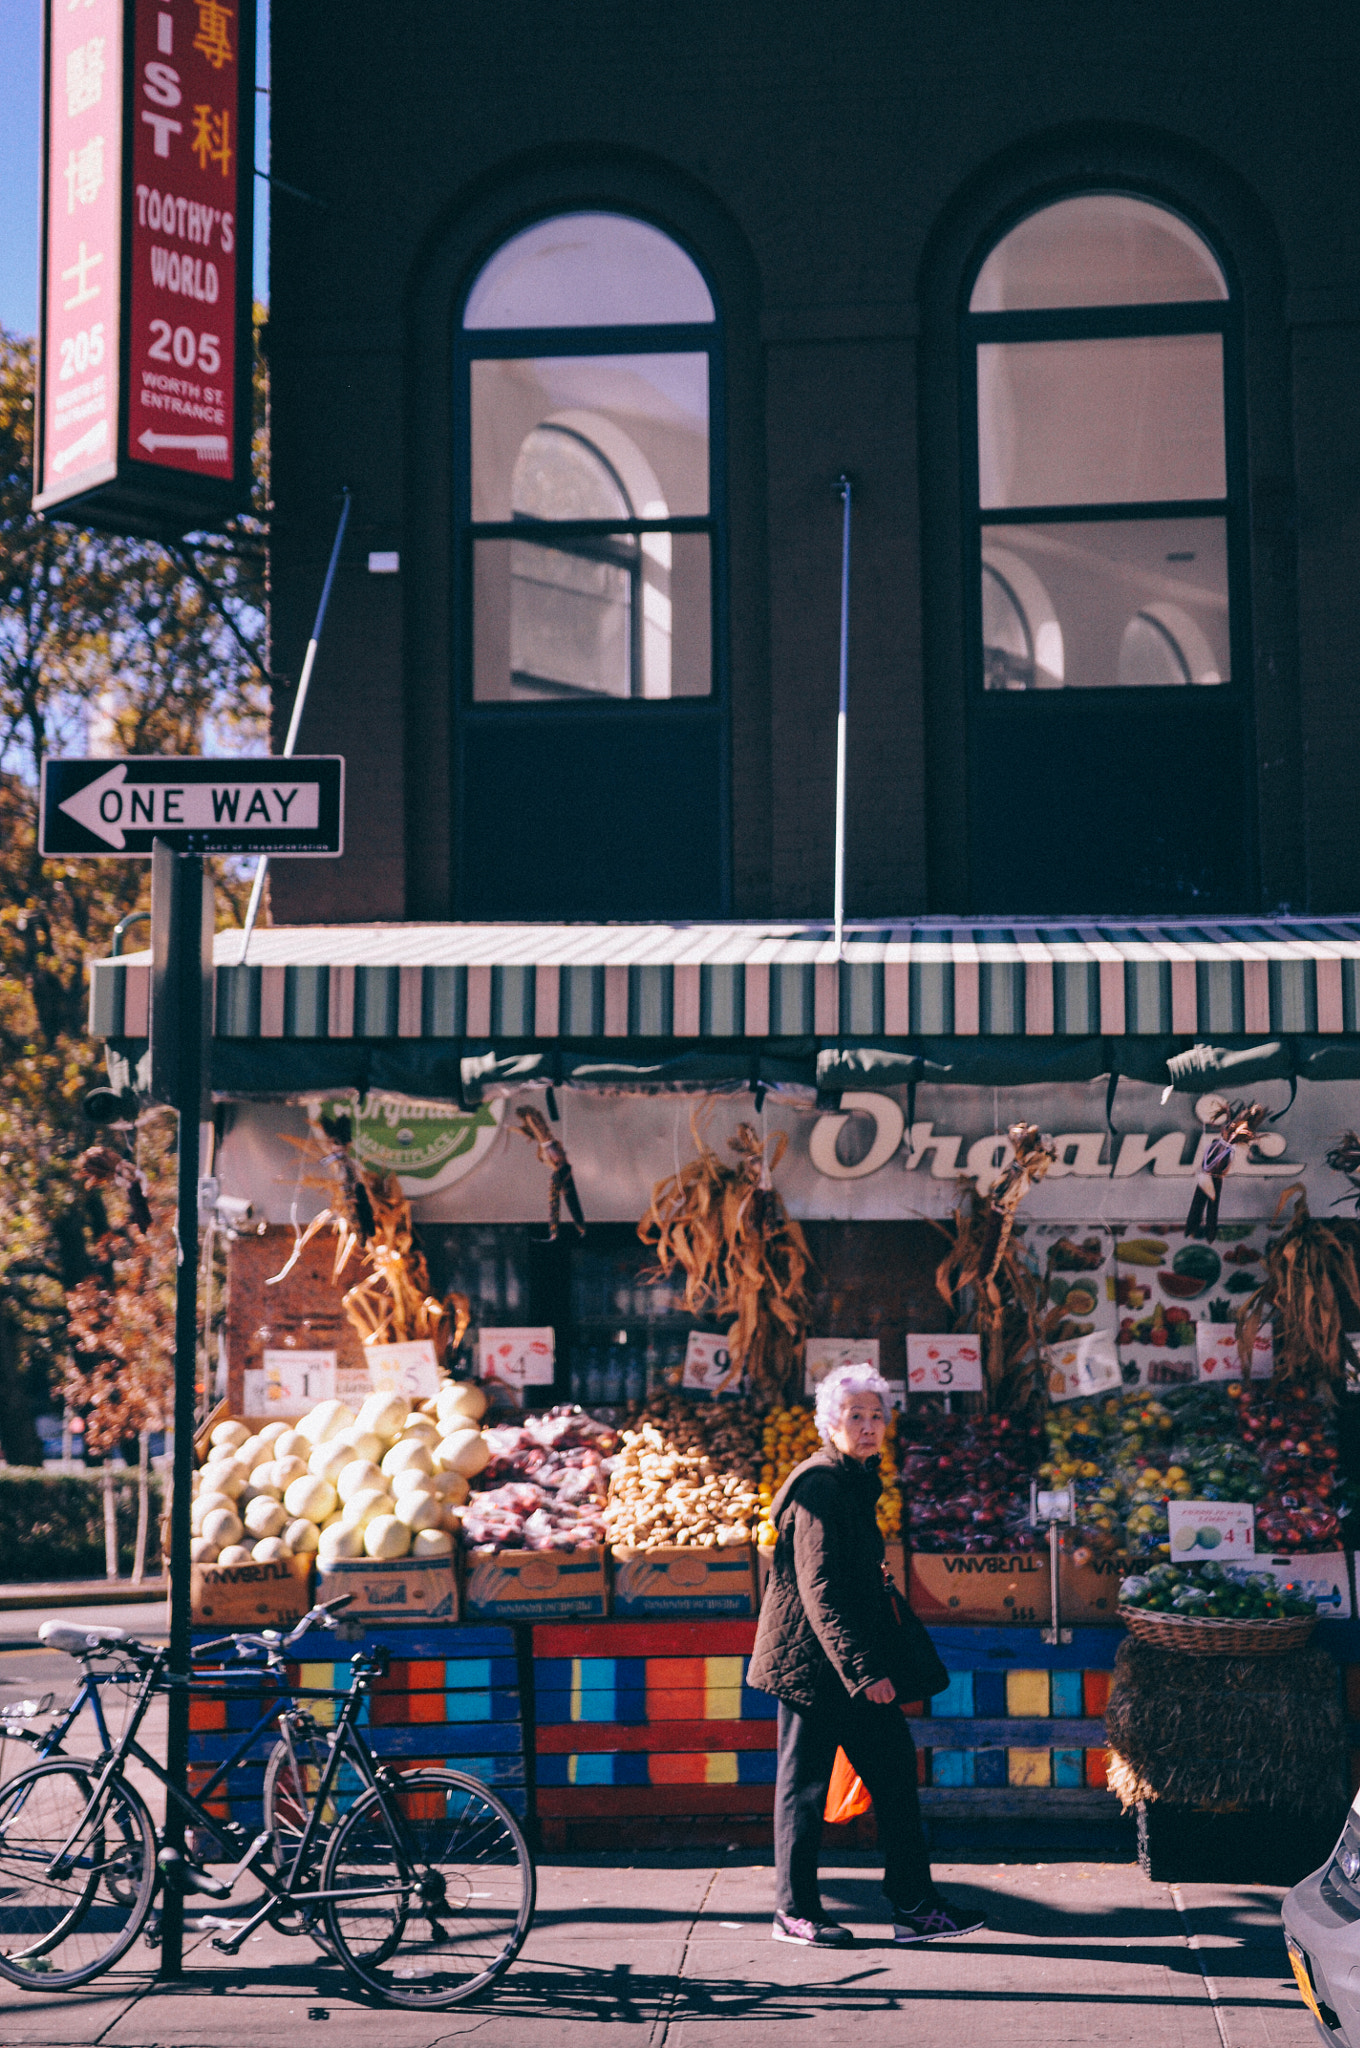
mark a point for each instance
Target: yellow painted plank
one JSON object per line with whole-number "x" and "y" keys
{"x": 322, "y": 1675}
{"x": 1028, "y": 1766}
{"x": 722, "y": 1686}
{"x": 1027, "y": 1693}
{"x": 720, "y": 1767}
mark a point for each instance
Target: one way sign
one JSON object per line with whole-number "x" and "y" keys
{"x": 263, "y": 806}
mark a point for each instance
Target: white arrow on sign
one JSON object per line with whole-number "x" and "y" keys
{"x": 207, "y": 447}
{"x": 111, "y": 806}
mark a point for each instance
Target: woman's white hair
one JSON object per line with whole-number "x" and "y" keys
{"x": 840, "y": 1387}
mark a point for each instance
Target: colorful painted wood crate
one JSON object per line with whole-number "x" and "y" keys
{"x": 451, "y": 1696}
{"x": 650, "y": 1725}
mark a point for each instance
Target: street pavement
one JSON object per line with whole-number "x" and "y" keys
{"x": 677, "y": 1954}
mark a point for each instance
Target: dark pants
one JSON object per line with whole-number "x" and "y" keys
{"x": 878, "y": 1743}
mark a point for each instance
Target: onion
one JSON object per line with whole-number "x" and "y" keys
{"x": 311, "y": 1498}
{"x": 301, "y": 1536}
{"x": 432, "y": 1543}
{"x": 387, "y": 1538}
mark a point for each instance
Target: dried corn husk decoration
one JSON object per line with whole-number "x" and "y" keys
{"x": 1311, "y": 1277}
{"x": 369, "y": 1214}
{"x": 985, "y": 1281}
{"x": 742, "y": 1255}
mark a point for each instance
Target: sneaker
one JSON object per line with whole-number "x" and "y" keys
{"x": 810, "y": 1933}
{"x": 933, "y": 1920}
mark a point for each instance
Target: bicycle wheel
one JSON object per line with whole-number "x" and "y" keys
{"x": 291, "y": 1776}
{"x": 434, "y": 1889}
{"x": 64, "y": 1917}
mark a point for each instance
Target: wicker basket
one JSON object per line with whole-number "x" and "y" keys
{"x": 1212, "y": 1638}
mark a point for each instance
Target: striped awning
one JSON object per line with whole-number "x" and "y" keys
{"x": 762, "y": 982}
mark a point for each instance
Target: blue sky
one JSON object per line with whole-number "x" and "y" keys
{"x": 20, "y": 141}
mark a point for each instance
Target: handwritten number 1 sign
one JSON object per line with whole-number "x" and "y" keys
{"x": 944, "y": 1365}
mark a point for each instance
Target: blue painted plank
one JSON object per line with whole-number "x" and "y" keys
{"x": 989, "y": 1767}
{"x": 756, "y": 1766}
{"x": 957, "y": 1697}
{"x": 1068, "y": 1767}
{"x": 1065, "y": 1691}
{"x": 989, "y": 1692}
{"x": 952, "y": 1767}
{"x": 1023, "y": 1649}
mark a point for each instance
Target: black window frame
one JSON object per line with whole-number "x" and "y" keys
{"x": 1095, "y": 323}
{"x": 503, "y": 343}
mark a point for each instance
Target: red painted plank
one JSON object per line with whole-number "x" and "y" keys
{"x": 729, "y": 1636}
{"x": 601, "y": 1801}
{"x": 581, "y": 1738}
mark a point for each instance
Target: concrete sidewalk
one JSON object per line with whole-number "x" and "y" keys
{"x": 665, "y": 1952}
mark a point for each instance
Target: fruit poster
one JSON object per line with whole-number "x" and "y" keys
{"x": 1211, "y": 1528}
{"x": 1166, "y": 1284}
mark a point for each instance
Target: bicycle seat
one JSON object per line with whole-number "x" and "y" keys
{"x": 77, "y": 1641}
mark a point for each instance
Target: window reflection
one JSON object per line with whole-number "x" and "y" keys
{"x": 1099, "y": 249}
{"x": 589, "y": 270}
{"x": 1111, "y": 603}
{"x": 1100, "y": 422}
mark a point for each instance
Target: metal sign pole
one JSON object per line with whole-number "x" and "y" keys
{"x": 843, "y": 487}
{"x": 181, "y": 923}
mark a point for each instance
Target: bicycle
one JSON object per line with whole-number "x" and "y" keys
{"x": 424, "y": 1883}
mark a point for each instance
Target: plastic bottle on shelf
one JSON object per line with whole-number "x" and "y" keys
{"x": 615, "y": 1370}
{"x": 623, "y": 1291}
{"x": 594, "y": 1378}
{"x": 635, "y": 1375}
{"x": 653, "y": 1371}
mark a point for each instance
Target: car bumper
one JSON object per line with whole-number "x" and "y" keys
{"x": 1322, "y": 1923}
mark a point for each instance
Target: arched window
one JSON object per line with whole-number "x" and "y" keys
{"x": 1104, "y": 495}
{"x": 586, "y": 499}
{"x": 1097, "y": 330}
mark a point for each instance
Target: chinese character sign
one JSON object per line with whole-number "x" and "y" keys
{"x": 82, "y": 250}
{"x": 188, "y": 187}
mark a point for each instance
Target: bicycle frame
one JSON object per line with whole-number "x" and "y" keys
{"x": 49, "y": 1742}
{"x": 280, "y": 1890}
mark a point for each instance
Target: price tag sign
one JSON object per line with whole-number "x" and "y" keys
{"x": 1086, "y": 1367}
{"x": 1204, "y": 1529}
{"x": 709, "y": 1366}
{"x": 411, "y": 1369}
{"x": 944, "y": 1365}
{"x": 290, "y": 1383}
{"x": 517, "y": 1358}
{"x": 823, "y": 1354}
{"x": 1220, "y": 1358}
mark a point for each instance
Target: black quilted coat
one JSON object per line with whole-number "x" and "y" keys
{"x": 825, "y": 1621}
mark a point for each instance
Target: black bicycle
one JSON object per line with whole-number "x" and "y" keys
{"x": 421, "y": 1880}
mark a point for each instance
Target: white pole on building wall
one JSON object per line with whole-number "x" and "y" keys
{"x": 843, "y": 488}
{"x": 295, "y": 722}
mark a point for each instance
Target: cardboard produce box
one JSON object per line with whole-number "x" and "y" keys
{"x": 998, "y": 1590}
{"x": 251, "y": 1596}
{"x": 682, "y": 1579}
{"x": 1088, "y": 1587}
{"x": 537, "y": 1585}
{"x": 393, "y": 1589}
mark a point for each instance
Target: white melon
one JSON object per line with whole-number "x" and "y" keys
{"x": 465, "y": 1451}
{"x": 270, "y": 1549}
{"x": 229, "y": 1434}
{"x": 384, "y": 1414}
{"x": 301, "y": 1536}
{"x": 461, "y": 1397}
{"x": 387, "y": 1538}
{"x": 365, "y": 1444}
{"x": 340, "y": 1542}
{"x": 202, "y": 1552}
{"x": 361, "y": 1507}
{"x": 420, "y": 1510}
{"x": 329, "y": 1460}
{"x": 311, "y": 1498}
{"x": 266, "y": 1516}
{"x": 431, "y": 1543}
{"x": 207, "y": 1504}
{"x": 221, "y": 1526}
{"x": 224, "y": 1475}
{"x": 356, "y": 1476}
{"x": 272, "y": 1431}
{"x": 326, "y": 1420}
{"x": 292, "y": 1444}
{"x": 407, "y": 1457}
{"x": 234, "y": 1553}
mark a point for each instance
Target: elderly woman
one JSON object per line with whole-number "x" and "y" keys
{"x": 828, "y": 1647}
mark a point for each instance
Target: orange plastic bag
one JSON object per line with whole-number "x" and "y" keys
{"x": 846, "y": 1797}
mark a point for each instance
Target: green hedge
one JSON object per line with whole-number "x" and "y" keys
{"x": 52, "y": 1524}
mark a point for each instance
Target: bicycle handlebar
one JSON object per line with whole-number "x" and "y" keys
{"x": 271, "y": 1642}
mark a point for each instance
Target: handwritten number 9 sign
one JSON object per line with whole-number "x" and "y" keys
{"x": 944, "y": 1365}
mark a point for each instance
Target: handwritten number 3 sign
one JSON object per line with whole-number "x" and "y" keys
{"x": 944, "y": 1365}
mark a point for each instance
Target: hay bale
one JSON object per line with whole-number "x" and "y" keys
{"x": 1227, "y": 1732}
